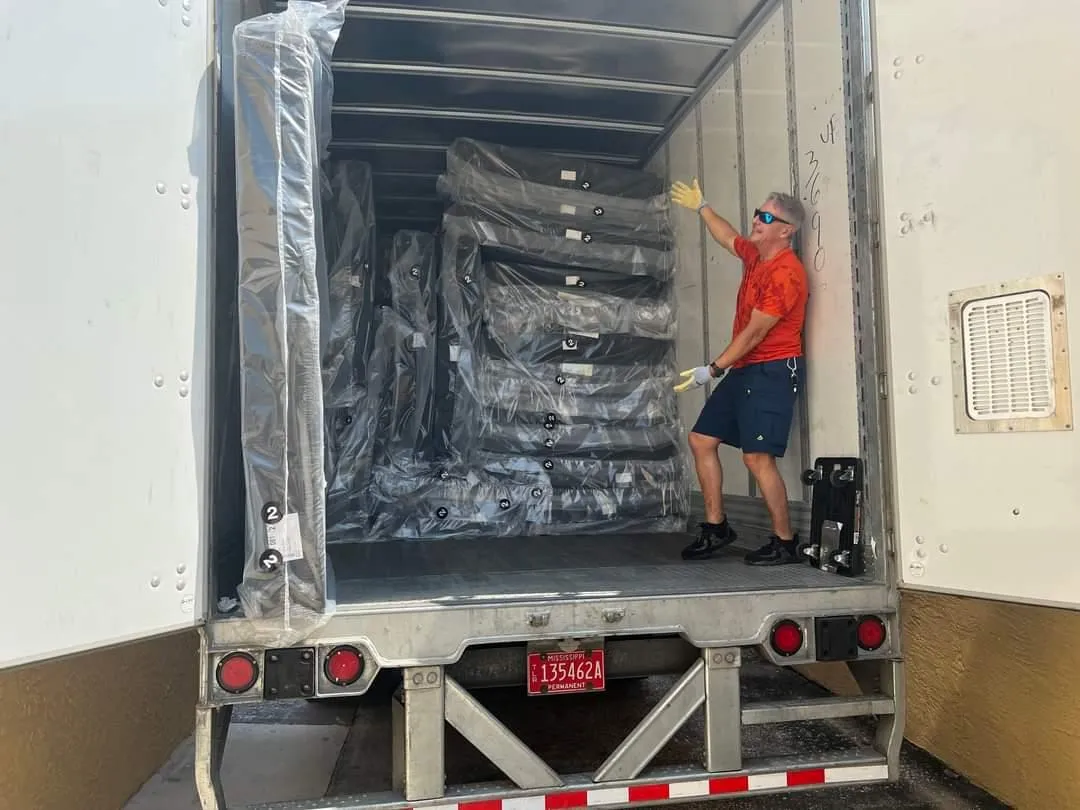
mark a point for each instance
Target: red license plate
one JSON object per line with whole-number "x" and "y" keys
{"x": 557, "y": 672}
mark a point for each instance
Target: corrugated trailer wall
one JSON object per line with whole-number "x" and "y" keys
{"x": 775, "y": 119}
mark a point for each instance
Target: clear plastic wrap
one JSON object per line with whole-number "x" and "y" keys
{"x": 558, "y": 239}
{"x": 586, "y": 192}
{"x": 582, "y": 473}
{"x": 456, "y": 504}
{"x": 351, "y": 502}
{"x": 629, "y": 509}
{"x": 349, "y": 235}
{"x": 519, "y": 377}
{"x": 460, "y": 328}
{"x": 478, "y": 504}
{"x": 407, "y": 425}
{"x": 349, "y": 228}
{"x": 555, "y": 393}
{"x": 585, "y": 208}
{"x": 387, "y": 446}
{"x": 591, "y": 441}
{"x": 512, "y": 166}
{"x": 283, "y": 89}
{"x": 536, "y": 299}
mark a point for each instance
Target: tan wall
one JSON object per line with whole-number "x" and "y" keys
{"x": 992, "y": 692}
{"x": 85, "y": 732}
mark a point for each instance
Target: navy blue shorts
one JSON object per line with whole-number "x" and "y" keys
{"x": 752, "y": 407}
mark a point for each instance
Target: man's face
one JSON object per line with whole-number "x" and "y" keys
{"x": 762, "y": 231}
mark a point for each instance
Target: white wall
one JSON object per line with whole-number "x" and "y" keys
{"x": 775, "y": 120}
{"x": 979, "y": 170}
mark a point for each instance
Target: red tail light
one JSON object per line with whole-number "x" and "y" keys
{"x": 237, "y": 672}
{"x": 344, "y": 665}
{"x": 787, "y": 637}
{"x": 871, "y": 633}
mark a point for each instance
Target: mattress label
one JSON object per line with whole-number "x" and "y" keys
{"x": 593, "y": 335}
{"x": 356, "y": 281}
{"x": 572, "y": 281}
{"x": 624, "y": 478}
{"x": 580, "y": 369}
{"x": 568, "y": 174}
{"x": 570, "y": 210}
{"x": 607, "y": 507}
{"x": 573, "y": 233}
{"x": 418, "y": 340}
{"x": 284, "y": 536}
{"x": 455, "y": 352}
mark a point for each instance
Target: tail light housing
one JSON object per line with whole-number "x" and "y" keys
{"x": 344, "y": 665}
{"x": 871, "y": 633}
{"x": 237, "y": 672}
{"x": 786, "y": 637}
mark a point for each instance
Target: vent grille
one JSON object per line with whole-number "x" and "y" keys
{"x": 1008, "y": 356}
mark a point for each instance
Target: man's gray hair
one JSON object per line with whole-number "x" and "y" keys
{"x": 790, "y": 208}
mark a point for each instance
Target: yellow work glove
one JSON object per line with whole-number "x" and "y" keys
{"x": 688, "y": 196}
{"x": 694, "y": 378}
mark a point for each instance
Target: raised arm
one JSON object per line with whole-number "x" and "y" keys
{"x": 691, "y": 197}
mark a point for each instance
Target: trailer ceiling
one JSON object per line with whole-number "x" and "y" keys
{"x": 605, "y": 79}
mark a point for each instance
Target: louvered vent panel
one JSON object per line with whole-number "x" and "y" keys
{"x": 1008, "y": 357}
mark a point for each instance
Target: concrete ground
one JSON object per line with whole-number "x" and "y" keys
{"x": 306, "y": 750}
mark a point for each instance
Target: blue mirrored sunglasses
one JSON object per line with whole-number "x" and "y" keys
{"x": 767, "y": 217}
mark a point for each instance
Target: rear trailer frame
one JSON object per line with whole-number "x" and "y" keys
{"x": 429, "y": 699}
{"x": 429, "y": 640}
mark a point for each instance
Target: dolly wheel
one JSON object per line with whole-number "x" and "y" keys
{"x": 840, "y": 478}
{"x": 809, "y": 477}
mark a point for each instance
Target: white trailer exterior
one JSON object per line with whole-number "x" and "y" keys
{"x": 937, "y": 338}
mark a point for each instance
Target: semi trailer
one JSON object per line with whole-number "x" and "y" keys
{"x": 201, "y": 198}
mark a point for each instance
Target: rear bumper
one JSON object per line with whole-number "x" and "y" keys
{"x": 436, "y": 633}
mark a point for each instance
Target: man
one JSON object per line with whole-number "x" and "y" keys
{"x": 759, "y": 374}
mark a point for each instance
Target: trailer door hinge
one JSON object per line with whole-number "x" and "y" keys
{"x": 883, "y": 385}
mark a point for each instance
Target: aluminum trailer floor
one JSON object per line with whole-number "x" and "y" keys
{"x": 416, "y": 602}
{"x": 491, "y": 571}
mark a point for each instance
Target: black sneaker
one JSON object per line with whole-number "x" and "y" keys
{"x": 776, "y": 552}
{"x": 712, "y": 538}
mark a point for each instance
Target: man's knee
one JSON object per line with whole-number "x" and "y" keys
{"x": 759, "y": 463}
{"x": 701, "y": 443}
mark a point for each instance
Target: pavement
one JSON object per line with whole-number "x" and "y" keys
{"x": 306, "y": 750}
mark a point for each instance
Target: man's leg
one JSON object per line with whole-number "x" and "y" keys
{"x": 716, "y": 425}
{"x": 710, "y": 474}
{"x": 773, "y": 490}
{"x": 765, "y": 424}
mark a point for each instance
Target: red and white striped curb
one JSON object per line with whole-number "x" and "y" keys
{"x": 652, "y": 793}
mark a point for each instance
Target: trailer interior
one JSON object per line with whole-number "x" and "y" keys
{"x": 750, "y": 97}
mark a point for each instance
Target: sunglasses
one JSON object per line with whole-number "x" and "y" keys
{"x": 768, "y": 218}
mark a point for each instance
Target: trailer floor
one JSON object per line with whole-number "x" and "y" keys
{"x": 555, "y": 568}
{"x": 300, "y": 750}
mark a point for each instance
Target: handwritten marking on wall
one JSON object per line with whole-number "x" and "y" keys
{"x": 909, "y": 222}
{"x": 814, "y": 188}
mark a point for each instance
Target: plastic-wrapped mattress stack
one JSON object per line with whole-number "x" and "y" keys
{"x": 554, "y": 411}
{"x": 351, "y": 306}
{"x": 283, "y": 89}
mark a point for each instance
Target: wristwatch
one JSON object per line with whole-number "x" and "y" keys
{"x": 715, "y": 369}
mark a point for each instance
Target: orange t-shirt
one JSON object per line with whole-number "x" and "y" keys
{"x": 776, "y": 287}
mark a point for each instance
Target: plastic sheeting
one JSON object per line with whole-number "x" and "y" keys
{"x": 562, "y": 239}
{"x": 528, "y": 390}
{"x": 516, "y": 381}
{"x": 283, "y": 94}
